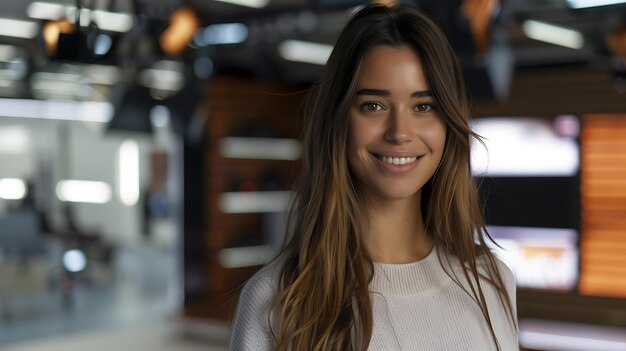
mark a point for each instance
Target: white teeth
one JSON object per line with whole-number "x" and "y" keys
{"x": 397, "y": 160}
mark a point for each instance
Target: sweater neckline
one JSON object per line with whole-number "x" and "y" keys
{"x": 404, "y": 279}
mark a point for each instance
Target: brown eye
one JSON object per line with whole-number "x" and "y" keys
{"x": 371, "y": 106}
{"x": 424, "y": 107}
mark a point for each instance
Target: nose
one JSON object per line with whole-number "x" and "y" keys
{"x": 398, "y": 128}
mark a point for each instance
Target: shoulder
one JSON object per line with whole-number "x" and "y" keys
{"x": 510, "y": 286}
{"x": 251, "y": 328}
{"x": 262, "y": 286}
{"x": 486, "y": 274}
{"x": 508, "y": 278}
{"x": 506, "y": 273}
{"x": 503, "y": 318}
{"x": 508, "y": 317}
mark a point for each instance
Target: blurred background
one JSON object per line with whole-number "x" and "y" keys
{"x": 147, "y": 150}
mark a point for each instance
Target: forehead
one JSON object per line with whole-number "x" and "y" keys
{"x": 392, "y": 68}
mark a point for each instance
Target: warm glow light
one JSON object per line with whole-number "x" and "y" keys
{"x": 183, "y": 23}
{"x": 18, "y": 28}
{"x": 552, "y": 34}
{"x": 302, "y": 51}
{"x": 83, "y": 191}
{"x": 603, "y": 190}
{"x": 12, "y": 189}
{"x": 51, "y": 31}
{"x": 385, "y": 2}
{"x": 480, "y": 14}
{"x": 129, "y": 172}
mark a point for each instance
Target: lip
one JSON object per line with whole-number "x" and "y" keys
{"x": 396, "y": 154}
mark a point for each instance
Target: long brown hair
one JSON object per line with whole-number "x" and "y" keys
{"x": 323, "y": 301}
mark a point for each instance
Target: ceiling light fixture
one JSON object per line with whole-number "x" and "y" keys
{"x": 224, "y": 33}
{"x": 581, "y": 4}
{"x": 18, "y": 28}
{"x": 86, "y": 191}
{"x": 105, "y": 20}
{"x": 128, "y": 172}
{"x": 74, "y": 260}
{"x": 87, "y": 111}
{"x": 248, "y": 3}
{"x": 302, "y": 51}
{"x": 15, "y": 140}
{"x": 111, "y": 21}
{"x": 45, "y": 10}
{"x": 553, "y": 34}
{"x": 13, "y": 189}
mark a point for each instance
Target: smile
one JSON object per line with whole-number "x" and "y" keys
{"x": 398, "y": 160}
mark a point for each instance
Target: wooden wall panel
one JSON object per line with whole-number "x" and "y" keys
{"x": 234, "y": 104}
{"x": 603, "y": 188}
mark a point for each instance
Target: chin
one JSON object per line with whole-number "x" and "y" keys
{"x": 399, "y": 194}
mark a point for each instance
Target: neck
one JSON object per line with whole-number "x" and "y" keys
{"x": 396, "y": 232}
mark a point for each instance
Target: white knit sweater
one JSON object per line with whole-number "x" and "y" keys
{"x": 416, "y": 306}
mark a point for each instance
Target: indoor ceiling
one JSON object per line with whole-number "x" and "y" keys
{"x": 316, "y": 21}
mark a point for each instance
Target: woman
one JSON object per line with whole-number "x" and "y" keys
{"x": 387, "y": 247}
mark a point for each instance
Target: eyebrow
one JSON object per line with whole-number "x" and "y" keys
{"x": 380, "y": 92}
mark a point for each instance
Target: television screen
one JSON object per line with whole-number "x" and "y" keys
{"x": 526, "y": 147}
{"x": 527, "y": 173}
{"x": 541, "y": 258}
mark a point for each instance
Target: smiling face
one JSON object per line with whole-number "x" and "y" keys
{"x": 396, "y": 136}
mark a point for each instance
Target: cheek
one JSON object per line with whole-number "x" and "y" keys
{"x": 435, "y": 136}
{"x": 359, "y": 135}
